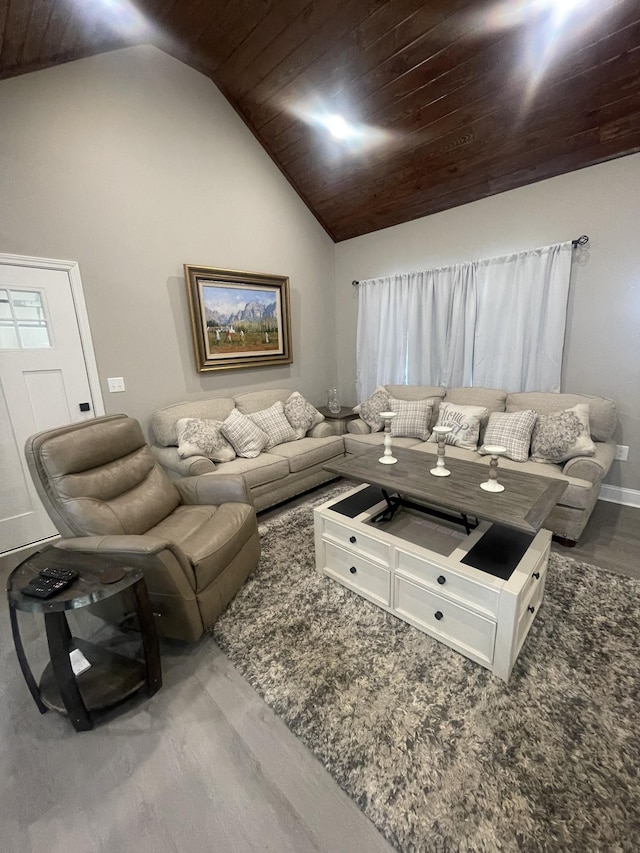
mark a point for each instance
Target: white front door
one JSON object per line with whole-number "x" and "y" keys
{"x": 47, "y": 379}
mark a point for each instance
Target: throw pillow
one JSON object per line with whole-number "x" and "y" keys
{"x": 369, "y": 410}
{"x": 413, "y": 418}
{"x": 202, "y": 437}
{"x": 301, "y": 414}
{"x": 273, "y": 422}
{"x": 562, "y": 435}
{"x": 464, "y": 422}
{"x": 246, "y": 437}
{"x": 511, "y": 430}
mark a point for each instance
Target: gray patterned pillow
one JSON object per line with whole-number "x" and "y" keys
{"x": 369, "y": 410}
{"x": 465, "y": 423}
{"x": 301, "y": 414}
{"x": 413, "y": 418}
{"x": 202, "y": 437}
{"x": 246, "y": 437}
{"x": 511, "y": 430}
{"x": 562, "y": 435}
{"x": 273, "y": 422}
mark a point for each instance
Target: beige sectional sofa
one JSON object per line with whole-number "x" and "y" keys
{"x": 282, "y": 472}
{"x": 584, "y": 474}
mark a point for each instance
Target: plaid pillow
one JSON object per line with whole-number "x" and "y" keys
{"x": 246, "y": 437}
{"x": 273, "y": 422}
{"x": 464, "y": 422}
{"x": 511, "y": 430}
{"x": 412, "y": 419}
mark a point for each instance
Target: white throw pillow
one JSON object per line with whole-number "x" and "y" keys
{"x": 413, "y": 418}
{"x": 301, "y": 414}
{"x": 246, "y": 437}
{"x": 369, "y": 410}
{"x": 511, "y": 430}
{"x": 560, "y": 436}
{"x": 273, "y": 422}
{"x": 465, "y": 424}
{"x": 203, "y": 437}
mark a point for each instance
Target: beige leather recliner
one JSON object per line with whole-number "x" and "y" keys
{"x": 196, "y": 540}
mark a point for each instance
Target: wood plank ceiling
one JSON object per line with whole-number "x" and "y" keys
{"x": 449, "y": 100}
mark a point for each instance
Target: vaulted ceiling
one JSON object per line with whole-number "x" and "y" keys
{"x": 382, "y": 112}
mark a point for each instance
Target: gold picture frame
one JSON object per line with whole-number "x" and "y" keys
{"x": 238, "y": 319}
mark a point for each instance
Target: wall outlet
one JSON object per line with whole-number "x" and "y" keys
{"x": 116, "y": 383}
{"x": 622, "y": 452}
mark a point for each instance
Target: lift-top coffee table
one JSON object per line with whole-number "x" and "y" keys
{"x": 470, "y": 571}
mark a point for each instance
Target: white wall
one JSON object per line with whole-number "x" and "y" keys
{"x": 133, "y": 164}
{"x": 602, "y": 352}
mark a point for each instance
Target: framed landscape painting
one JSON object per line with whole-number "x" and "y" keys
{"x": 238, "y": 319}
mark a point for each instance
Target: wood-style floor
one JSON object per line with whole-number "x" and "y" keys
{"x": 204, "y": 765}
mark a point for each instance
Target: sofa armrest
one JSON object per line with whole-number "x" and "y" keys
{"x": 190, "y": 467}
{"x": 166, "y": 568}
{"x": 214, "y": 489}
{"x": 592, "y": 468}
{"x": 358, "y": 427}
{"x": 322, "y": 430}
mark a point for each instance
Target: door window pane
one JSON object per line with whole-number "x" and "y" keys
{"x": 23, "y": 320}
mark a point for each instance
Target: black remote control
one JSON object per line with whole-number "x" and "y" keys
{"x": 59, "y": 573}
{"x": 44, "y": 587}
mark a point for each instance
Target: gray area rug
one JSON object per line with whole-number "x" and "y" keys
{"x": 438, "y": 753}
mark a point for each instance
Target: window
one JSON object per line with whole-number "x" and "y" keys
{"x": 23, "y": 322}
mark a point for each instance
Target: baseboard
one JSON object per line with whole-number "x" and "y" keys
{"x": 618, "y": 495}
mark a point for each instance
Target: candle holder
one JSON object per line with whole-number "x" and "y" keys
{"x": 388, "y": 458}
{"x": 492, "y": 484}
{"x": 440, "y": 470}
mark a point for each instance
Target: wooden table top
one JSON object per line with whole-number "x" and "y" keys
{"x": 524, "y": 504}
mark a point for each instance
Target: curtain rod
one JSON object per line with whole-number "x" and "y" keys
{"x": 582, "y": 240}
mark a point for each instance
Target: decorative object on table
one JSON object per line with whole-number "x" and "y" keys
{"x": 238, "y": 319}
{"x": 387, "y": 458}
{"x": 492, "y": 484}
{"x": 333, "y": 403}
{"x": 441, "y": 433}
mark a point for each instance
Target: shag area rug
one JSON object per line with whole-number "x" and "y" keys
{"x": 438, "y": 753}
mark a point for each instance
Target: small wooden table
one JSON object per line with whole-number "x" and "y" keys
{"x": 111, "y": 677}
{"x": 338, "y": 419}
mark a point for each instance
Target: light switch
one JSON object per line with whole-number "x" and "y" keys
{"x": 116, "y": 383}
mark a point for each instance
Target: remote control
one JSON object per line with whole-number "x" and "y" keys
{"x": 59, "y": 573}
{"x": 44, "y": 587}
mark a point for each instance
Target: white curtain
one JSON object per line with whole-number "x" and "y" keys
{"x": 497, "y": 323}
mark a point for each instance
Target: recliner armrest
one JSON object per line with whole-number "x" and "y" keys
{"x": 214, "y": 489}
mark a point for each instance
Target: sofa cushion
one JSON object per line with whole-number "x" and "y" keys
{"x": 256, "y": 401}
{"x": 369, "y": 410}
{"x": 464, "y": 422}
{"x": 512, "y": 431}
{"x": 274, "y": 424}
{"x": 562, "y": 435}
{"x": 301, "y": 414}
{"x": 265, "y": 468}
{"x": 202, "y": 437}
{"x": 307, "y": 452}
{"x": 413, "y": 418}
{"x": 435, "y": 393}
{"x": 164, "y": 421}
{"x": 602, "y": 411}
{"x": 491, "y": 398}
{"x": 246, "y": 437}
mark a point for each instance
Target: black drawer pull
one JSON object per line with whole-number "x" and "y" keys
{"x": 536, "y": 575}
{"x": 353, "y": 570}
{"x": 531, "y": 608}
{"x": 438, "y": 615}
{"x": 352, "y": 539}
{"x": 442, "y": 579}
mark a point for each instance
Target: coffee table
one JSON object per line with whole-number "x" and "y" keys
{"x": 465, "y": 566}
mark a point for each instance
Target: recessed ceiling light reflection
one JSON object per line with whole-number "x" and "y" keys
{"x": 341, "y": 135}
{"x": 121, "y": 16}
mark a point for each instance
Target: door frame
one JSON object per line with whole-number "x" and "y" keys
{"x": 72, "y": 268}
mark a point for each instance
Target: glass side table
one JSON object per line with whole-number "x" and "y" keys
{"x": 111, "y": 677}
